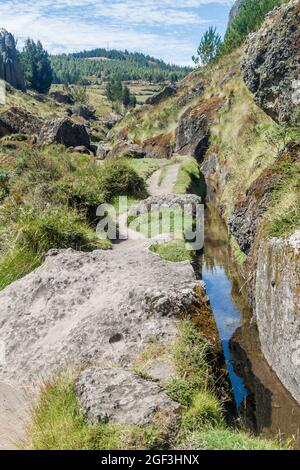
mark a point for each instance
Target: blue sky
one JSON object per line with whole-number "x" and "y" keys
{"x": 167, "y": 29}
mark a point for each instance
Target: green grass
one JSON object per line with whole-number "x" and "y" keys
{"x": 226, "y": 439}
{"x": 49, "y": 200}
{"x": 161, "y": 222}
{"x": 145, "y": 167}
{"x": 175, "y": 250}
{"x": 58, "y": 424}
{"x": 189, "y": 171}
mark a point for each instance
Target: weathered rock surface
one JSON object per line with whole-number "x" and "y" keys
{"x": 129, "y": 150}
{"x": 167, "y": 201}
{"x": 161, "y": 95}
{"x": 83, "y": 111}
{"x": 249, "y": 211}
{"x": 122, "y": 397}
{"x": 271, "y": 64}
{"x": 193, "y": 130}
{"x": 90, "y": 308}
{"x": 161, "y": 146}
{"x": 190, "y": 95}
{"x": 18, "y": 120}
{"x": 103, "y": 149}
{"x": 66, "y": 132}
{"x": 64, "y": 98}
{"x": 81, "y": 149}
{"x": 10, "y": 67}
{"x": 278, "y": 308}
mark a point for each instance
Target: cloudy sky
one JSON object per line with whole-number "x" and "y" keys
{"x": 167, "y": 29}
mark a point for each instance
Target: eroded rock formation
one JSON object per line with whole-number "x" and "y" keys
{"x": 18, "y": 120}
{"x": 271, "y": 64}
{"x": 65, "y": 132}
{"x": 277, "y": 307}
{"x": 10, "y": 67}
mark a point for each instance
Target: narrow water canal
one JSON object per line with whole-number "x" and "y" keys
{"x": 262, "y": 402}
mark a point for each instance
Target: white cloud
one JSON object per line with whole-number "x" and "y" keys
{"x": 73, "y": 25}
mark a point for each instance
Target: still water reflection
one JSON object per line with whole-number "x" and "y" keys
{"x": 262, "y": 401}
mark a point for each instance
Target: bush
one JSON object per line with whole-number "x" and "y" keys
{"x": 117, "y": 178}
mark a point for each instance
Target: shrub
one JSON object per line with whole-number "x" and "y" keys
{"x": 205, "y": 409}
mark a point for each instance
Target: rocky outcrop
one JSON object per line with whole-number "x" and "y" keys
{"x": 162, "y": 95}
{"x": 193, "y": 130}
{"x": 90, "y": 308}
{"x": 64, "y": 98}
{"x": 128, "y": 150}
{"x": 277, "y": 308}
{"x": 10, "y": 67}
{"x": 190, "y": 95}
{"x": 271, "y": 64}
{"x": 83, "y": 111}
{"x": 161, "y": 146}
{"x": 65, "y": 132}
{"x": 247, "y": 215}
{"x": 103, "y": 149}
{"x": 122, "y": 397}
{"x": 18, "y": 120}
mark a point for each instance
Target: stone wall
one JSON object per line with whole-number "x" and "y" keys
{"x": 278, "y": 308}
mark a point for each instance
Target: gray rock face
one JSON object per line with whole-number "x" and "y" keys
{"x": 271, "y": 64}
{"x": 90, "y": 308}
{"x": 10, "y": 67}
{"x": 66, "y": 132}
{"x": 103, "y": 150}
{"x": 129, "y": 150}
{"x": 235, "y": 10}
{"x": 248, "y": 212}
{"x": 192, "y": 133}
{"x": 83, "y": 111}
{"x": 167, "y": 201}
{"x": 18, "y": 120}
{"x": 162, "y": 95}
{"x": 191, "y": 95}
{"x": 278, "y": 308}
{"x": 120, "y": 396}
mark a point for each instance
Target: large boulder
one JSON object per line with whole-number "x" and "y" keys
{"x": 18, "y": 120}
{"x": 66, "y": 132}
{"x": 122, "y": 397}
{"x": 192, "y": 132}
{"x": 10, "y": 67}
{"x": 91, "y": 308}
{"x": 161, "y": 95}
{"x": 271, "y": 64}
{"x": 160, "y": 146}
{"x": 60, "y": 97}
{"x": 128, "y": 150}
{"x": 83, "y": 111}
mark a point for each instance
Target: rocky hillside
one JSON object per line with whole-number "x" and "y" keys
{"x": 240, "y": 119}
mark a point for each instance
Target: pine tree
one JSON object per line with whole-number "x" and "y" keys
{"x": 209, "y": 47}
{"x": 37, "y": 66}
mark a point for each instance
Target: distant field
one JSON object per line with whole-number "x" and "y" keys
{"x": 97, "y": 98}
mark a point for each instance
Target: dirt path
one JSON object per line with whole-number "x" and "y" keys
{"x": 15, "y": 402}
{"x": 167, "y": 184}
